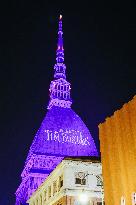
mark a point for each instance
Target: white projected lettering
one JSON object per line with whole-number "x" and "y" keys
{"x": 71, "y": 136}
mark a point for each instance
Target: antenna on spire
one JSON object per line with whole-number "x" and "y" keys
{"x": 60, "y": 49}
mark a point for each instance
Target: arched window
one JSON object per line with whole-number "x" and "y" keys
{"x": 54, "y": 187}
{"x": 123, "y": 202}
{"x": 40, "y": 199}
{"x": 134, "y": 198}
{"x": 49, "y": 191}
{"x": 45, "y": 195}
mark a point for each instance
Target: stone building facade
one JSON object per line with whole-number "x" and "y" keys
{"x": 71, "y": 179}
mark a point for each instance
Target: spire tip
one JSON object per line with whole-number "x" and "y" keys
{"x": 60, "y": 17}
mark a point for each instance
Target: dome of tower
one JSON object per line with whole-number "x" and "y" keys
{"x": 63, "y": 133}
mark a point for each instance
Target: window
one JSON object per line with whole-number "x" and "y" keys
{"x": 134, "y": 199}
{"x": 80, "y": 178}
{"x": 49, "y": 191}
{"x": 60, "y": 182}
{"x": 31, "y": 182}
{"x": 40, "y": 199}
{"x": 123, "y": 202}
{"x": 45, "y": 195}
{"x": 99, "y": 180}
{"x": 100, "y": 203}
{"x": 54, "y": 187}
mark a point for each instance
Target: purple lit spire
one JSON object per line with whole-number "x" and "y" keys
{"x": 60, "y": 66}
{"x": 60, "y": 87}
{"x": 62, "y": 133}
{"x": 60, "y": 49}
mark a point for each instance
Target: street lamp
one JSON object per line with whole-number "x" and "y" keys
{"x": 83, "y": 198}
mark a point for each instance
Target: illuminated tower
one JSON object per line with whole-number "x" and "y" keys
{"x": 60, "y": 87}
{"x": 62, "y": 132}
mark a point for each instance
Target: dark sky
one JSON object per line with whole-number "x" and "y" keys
{"x": 100, "y": 50}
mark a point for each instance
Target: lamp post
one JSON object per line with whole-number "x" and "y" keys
{"x": 83, "y": 198}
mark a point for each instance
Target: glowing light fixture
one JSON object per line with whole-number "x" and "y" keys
{"x": 83, "y": 198}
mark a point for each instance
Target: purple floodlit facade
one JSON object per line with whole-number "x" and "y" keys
{"x": 62, "y": 132}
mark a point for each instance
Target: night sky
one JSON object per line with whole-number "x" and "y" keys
{"x": 100, "y": 50}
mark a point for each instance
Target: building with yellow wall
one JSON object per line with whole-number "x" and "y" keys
{"x": 118, "y": 155}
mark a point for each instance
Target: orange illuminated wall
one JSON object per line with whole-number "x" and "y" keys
{"x": 118, "y": 154}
